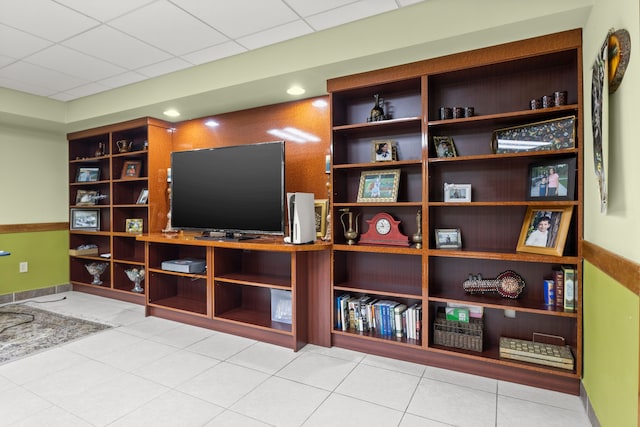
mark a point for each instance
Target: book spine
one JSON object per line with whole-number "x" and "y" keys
{"x": 569, "y": 288}
{"x": 558, "y": 279}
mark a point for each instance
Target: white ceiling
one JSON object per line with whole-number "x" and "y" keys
{"x": 67, "y": 49}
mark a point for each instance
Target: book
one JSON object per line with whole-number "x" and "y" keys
{"x": 558, "y": 280}
{"x": 569, "y": 274}
{"x": 398, "y": 310}
{"x": 339, "y": 310}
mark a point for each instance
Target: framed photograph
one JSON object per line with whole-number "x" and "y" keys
{"x": 457, "y": 193}
{"x": 444, "y": 146}
{"x": 544, "y": 230}
{"x": 143, "y": 197}
{"x": 552, "y": 180}
{"x": 134, "y": 225}
{"x": 131, "y": 169}
{"x": 85, "y": 219}
{"x": 86, "y": 197}
{"x": 379, "y": 186}
{"x": 384, "y": 151}
{"x": 86, "y": 174}
{"x": 321, "y": 206}
{"x": 448, "y": 238}
{"x": 556, "y": 134}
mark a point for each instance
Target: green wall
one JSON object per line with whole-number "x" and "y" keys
{"x": 611, "y": 349}
{"x": 47, "y": 253}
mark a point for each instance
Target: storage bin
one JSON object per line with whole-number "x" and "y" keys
{"x": 281, "y": 306}
{"x": 451, "y": 333}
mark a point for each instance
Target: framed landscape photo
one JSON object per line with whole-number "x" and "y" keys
{"x": 544, "y": 230}
{"x": 457, "y": 193}
{"x": 448, "y": 238}
{"x": 321, "y": 207}
{"x": 131, "y": 169}
{"x": 555, "y": 134}
{"x": 143, "y": 197}
{"x": 134, "y": 225}
{"x": 552, "y": 180}
{"x": 444, "y": 146}
{"x": 384, "y": 151}
{"x": 86, "y": 197}
{"x": 379, "y": 186}
{"x": 88, "y": 174}
{"x": 85, "y": 219}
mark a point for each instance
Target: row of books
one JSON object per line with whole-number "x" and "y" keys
{"x": 564, "y": 295}
{"x": 383, "y": 317}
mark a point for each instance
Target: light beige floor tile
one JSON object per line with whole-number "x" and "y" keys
{"x": 17, "y": 404}
{"x": 539, "y": 395}
{"x": 510, "y": 413}
{"x": 460, "y": 378}
{"x": 317, "y": 370}
{"x": 264, "y": 357}
{"x": 175, "y": 368}
{"x": 52, "y": 417}
{"x": 233, "y": 419}
{"x": 345, "y": 411}
{"x": 221, "y": 346}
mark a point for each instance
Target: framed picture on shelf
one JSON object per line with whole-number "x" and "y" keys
{"x": 544, "y": 230}
{"x": 552, "y": 180}
{"x": 86, "y": 197}
{"x": 384, "y": 151}
{"x": 448, "y": 238}
{"x": 444, "y": 146}
{"x": 85, "y": 219}
{"x": 457, "y": 193}
{"x": 88, "y": 174}
{"x": 143, "y": 197}
{"x": 131, "y": 169}
{"x": 379, "y": 186}
{"x": 134, "y": 225}
{"x": 556, "y": 134}
{"x": 321, "y": 207}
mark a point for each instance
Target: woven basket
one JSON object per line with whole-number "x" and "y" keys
{"x": 451, "y": 333}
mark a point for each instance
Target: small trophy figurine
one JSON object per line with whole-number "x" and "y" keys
{"x": 417, "y": 237}
{"x": 350, "y": 233}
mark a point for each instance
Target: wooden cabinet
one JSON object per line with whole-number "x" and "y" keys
{"x": 263, "y": 290}
{"x": 109, "y": 169}
{"x": 499, "y": 83}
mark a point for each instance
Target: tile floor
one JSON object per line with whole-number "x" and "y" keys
{"x": 154, "y": 372}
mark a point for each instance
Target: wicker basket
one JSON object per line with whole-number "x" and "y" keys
{"x": 451, "y": 333}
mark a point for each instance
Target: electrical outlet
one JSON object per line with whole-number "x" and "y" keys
{"x": 24, "y": 267}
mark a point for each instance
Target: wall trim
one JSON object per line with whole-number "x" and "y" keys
{"x": 32, "y": 228}
{"x": 623, "y": 270}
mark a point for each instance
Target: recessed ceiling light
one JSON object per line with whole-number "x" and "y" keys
{"x": 296, "y": 90}
{"x": 172, "y": 112}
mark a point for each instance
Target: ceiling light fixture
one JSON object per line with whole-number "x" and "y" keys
{"x": 211, "y": 123}
{"x": 172, "y": 112}
{"x": 320, "y": 103}
{"x": 296, "y": 90}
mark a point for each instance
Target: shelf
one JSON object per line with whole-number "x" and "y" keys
{"x": 267, "y": 281}
{"x": 390, "y": 339}
{"x": 509, "y": 117}
{"x": 345, "y": 287}
{"x": 506, "y": 203}
{"x": 506, "y": 156}
{"x": 390, "y": 125}
{"x": 380, "y": 165}
{"x": 177, "y": 273}
{"x": 503, "y": 256}
{"x": 183, "y": 304}
{"x": 377, "y": 249}
{"x": 254, "y": 318}
{"x": 499, "y": 303}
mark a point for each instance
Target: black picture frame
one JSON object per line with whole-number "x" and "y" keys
{"x": 88, "y": 174}
{"x": 85, "y": 219}
{"x": 538, "y": 187}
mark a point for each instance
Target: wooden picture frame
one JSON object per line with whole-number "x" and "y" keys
{"x": 448, "y": 238}
{"x": 143, "y": 198}
{"x": 444, "y": 147}
{"x": 544, "y": 230}
{"x": 541, "y": 184}
{"x": 321, "y": 207}
{"x": 384, "y": 151}
{"x": 88, "y": 174}
{"x": 379, "y": 186}
{"x": 134, "y": 225}
{"x": 457, "y": 193}
{"x": 85, "y": 219}
{"x": 131, "y": 169}
{"x": 86, "y": 197}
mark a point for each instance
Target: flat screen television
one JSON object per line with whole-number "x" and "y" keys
{"x": 237, "y": 190}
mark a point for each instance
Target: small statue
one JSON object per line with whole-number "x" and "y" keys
{"x": 377, "y": 112}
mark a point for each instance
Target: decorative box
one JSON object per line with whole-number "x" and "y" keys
{"x": 79, "y": 252}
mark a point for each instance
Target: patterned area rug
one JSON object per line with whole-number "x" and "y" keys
{"x": 25, "y": 329}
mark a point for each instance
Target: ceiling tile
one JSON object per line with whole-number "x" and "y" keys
{"x": 86, "y": 90}
{"x": 104, "y": 10}
{"x": 30, "y": 87}
{"x": 351, "y": 12}
{"x": 170, "y": 29}
{"x": 164, "y": 67}
{"x": 212, "y": 53}
{"x": 117, "y": 48}
{"x": 22, "y": 44}
{"x": 306, "y": 8}
{"x": 275, "y": 35}
{"x": 123, "y": 79}
{"x": 6, "y": 60}
{"x": 239, "y": 18}
{"x": 44, "y": 18}
{"x": 41, "y": 77}
{"x": 65, "y": 60}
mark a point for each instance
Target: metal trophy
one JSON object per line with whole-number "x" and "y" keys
{"x": 96, "y": 269}
{"x": 136, "y": 275}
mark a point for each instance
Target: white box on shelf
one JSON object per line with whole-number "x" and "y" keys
{"x": 185, "y": 265}
{"x": 281, "y": 306}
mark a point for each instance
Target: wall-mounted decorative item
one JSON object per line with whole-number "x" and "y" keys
{"x": 131, "y": 169}
{"x": 552, "y": 180}
{"x": 85, "y": 219}
{"x": 444, "y": 146}
{"x": 448, "y": 238}
{"x": 555, "y": 134}
{"x": 321, "y": 208}
{"x": 384, "y": 151}
{"x": 544, "y": 230}
{"x": 88, "y": 174}
{"x": 457, "y": 193}
{"x": 619, "y": 51}
{"x": 379, "y": 186}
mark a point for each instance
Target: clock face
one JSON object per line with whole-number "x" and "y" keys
{"x": 383, "y": 226}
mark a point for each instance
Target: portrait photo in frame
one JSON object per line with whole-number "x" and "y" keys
{"x": 457, "y": 193}
{"x": 88, "y": 174}
{"x": 544, "y": 230}
{"x": 448, "y": 238}
{"x": 384, "y": 151}
{"x": 379, "y": 186}
{"x": 444, "y": 146}
{"x": 552, "y": 180}
{"x": 85, "y": 219}
{"x": 131, "y": 169}
{"x": 321, "y": 207}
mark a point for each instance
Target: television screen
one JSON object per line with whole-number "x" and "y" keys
{"x": 236, "y": 189}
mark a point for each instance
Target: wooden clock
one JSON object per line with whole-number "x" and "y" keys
{"x": 383, "y": 230}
